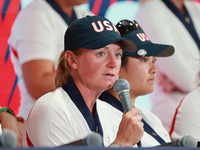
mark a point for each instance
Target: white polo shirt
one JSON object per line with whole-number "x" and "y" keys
{"x": 186, "y": 118}
{"x": 154, "y": 132}
{"x": 62, "y": 116}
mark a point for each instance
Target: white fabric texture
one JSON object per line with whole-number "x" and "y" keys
{"x": 186, "y": 119}
{"x": 152, "y": 120}
{"x": 55, "y": 120}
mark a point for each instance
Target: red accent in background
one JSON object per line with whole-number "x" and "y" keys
{"x": 7, "y": 75}
{"x": 112, "y": 2}
{"x": 97, "y": 6}
{"x": 15, "y": 52}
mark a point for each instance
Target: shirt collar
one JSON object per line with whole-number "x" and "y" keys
{"x": 107, "y": 97}
{"x": 65, "y": 17}
{"x": 185, "y": 19}
{"x": 75, "y": 95}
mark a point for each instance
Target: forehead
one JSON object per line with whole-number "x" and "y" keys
{"x": 138, "y": 60}
{"x": 138, "y": 57}
{"x": 112, "y": 46}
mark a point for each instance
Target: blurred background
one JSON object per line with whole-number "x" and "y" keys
{"x": 114, "y": 10}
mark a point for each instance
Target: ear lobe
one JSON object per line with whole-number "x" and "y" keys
{"x": 70, "y": 57}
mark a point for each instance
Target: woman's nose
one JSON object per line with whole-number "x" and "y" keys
{"x": 112, "y": 62}
{"x": 154, "y": 69}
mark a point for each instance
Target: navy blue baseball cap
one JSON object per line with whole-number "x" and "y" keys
{"x": 94, "y": 32}
{"x": 132, "y": 31}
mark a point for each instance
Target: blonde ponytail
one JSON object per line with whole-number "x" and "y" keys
{"x": 63, "y": 71}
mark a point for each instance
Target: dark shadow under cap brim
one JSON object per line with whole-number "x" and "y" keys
{"x": 125, "y": 44}
{"x": 152, "y": 49}
{"x": 168, "y": 51}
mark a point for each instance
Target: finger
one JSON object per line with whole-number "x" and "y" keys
{"x": 139, "y": 126}
{"x": 139, "y": 118}
{"x": 134, "y": 111}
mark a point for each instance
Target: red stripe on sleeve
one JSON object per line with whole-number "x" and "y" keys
{"x": 174, "y": 119}
{"x": 15, "y": 52}
{"x": 29, "y": 143}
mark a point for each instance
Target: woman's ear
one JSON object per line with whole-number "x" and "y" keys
{"x": 71, "y": 59}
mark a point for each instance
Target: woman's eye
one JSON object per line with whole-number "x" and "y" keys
{"x": 118, "y": 55}
{"x": 145, "y": 59}
{"x": 154, "y": 60}
{"x": 100, "y": 54}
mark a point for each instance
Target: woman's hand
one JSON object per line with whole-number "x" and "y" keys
{"x": 130, "y": 129}
{"x": 9, "y": 122}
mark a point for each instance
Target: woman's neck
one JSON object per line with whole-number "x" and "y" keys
{"x": 179, "y": 4}
{"x": 89, "y": 96}
{"x": 66, "y": 7}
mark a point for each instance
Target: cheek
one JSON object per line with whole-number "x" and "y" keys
{"x": 139, "y": 72}
{"x": 143, "y": 71}
{"x": 138, "y": 77}
{"x": 118, "y": 65}
{"x": 91, "y": 70}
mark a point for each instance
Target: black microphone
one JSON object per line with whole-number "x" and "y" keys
{"x": 93, "y": 139}
{"x": 186, "y": 141}
{"x": 8, "y": 139}
{"x": 122, "y": 88}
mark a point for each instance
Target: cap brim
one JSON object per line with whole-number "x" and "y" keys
{"x": 125, "y": 44}
{"x": 152, "y": 49}
{"x": 159, "y": 50}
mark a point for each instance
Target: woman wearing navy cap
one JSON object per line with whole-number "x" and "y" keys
{"x": 138, "y": 68}
{"x": 88, "y": 66}
{"x": 175, "y": 22}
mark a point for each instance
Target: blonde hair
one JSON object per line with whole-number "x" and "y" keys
{"x": 63, "y": 72}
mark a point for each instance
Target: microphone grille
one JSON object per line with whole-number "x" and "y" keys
{"x": 189, "y": 141}
{"x": 8, "y": 138}
{"x": 121, "y": 85}
{"x": 94, "y": 139}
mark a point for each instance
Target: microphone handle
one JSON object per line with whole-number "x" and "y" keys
{"x": 139, "y": 144}
{"x": 126, "y": 101}
{"x": 127, "y": 105}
